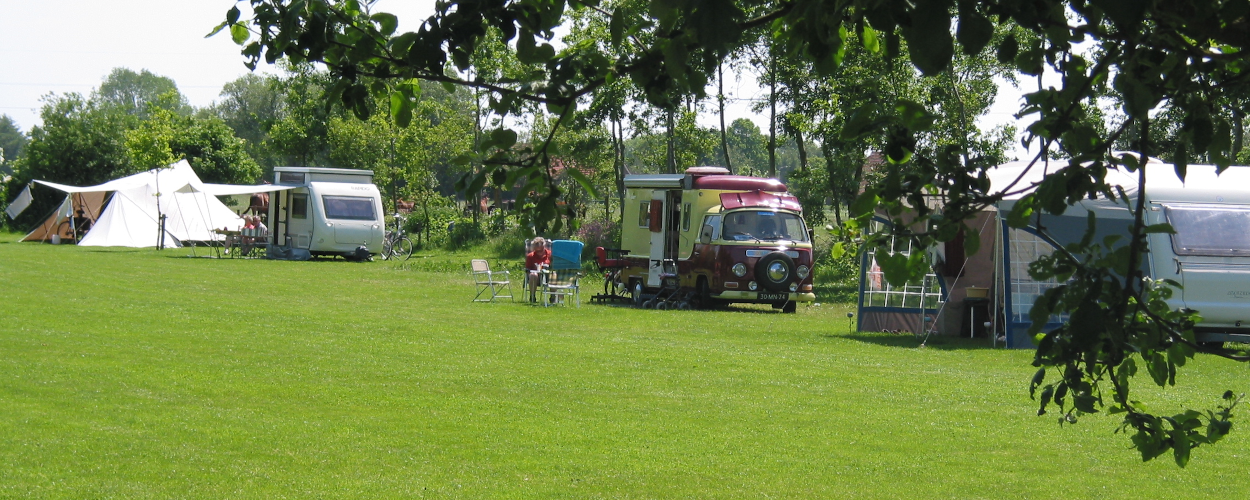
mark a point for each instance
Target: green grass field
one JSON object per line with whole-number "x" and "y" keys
{"x": 137, "y": 373}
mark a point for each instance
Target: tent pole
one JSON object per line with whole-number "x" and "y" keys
{"x": 160, "y": 217}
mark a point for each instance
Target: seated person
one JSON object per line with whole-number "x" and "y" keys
{"x": 538, "y": 257}
{"x": 262, "y": 231}
{"x": 82, "y": 224}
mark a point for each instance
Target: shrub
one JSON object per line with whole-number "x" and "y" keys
{"x": 598, "y": 233}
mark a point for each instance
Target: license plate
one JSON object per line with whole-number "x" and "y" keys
{"x": 774, "y": 296}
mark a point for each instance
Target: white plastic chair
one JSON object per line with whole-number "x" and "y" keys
{"x": 497, "y": 282}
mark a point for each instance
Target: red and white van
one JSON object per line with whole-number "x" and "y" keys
{"x": 708, "y": 237}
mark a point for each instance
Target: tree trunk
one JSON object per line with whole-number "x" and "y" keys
{"x": 672, "y": 155}
{"x": 1239, "y": 132}
{"x": 772, "y": 114}
{"x": 618, "y": 143}
{"x": 830, "y": 169}
{"x": 720, "y": 97}
{"x": 798, "y": 140}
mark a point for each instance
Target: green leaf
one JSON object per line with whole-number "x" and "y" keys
{"x": 1008, "y": 49}
{"x": 232, "y": 15}
{"x": 914, "y": 115}
{"x": 1126, "y": 14}
{"x": 862, "y": 122}
{"x": 1180, "y": 159}
{"x": 974, "y": 32}
{"x": 1138, "y": 98}
{"x": 239, "y": 34}
{"x": 616, "y": 28}
{"x": 217, "y": 29}
{"x": 1022, "y": 211}
{"x": 839, "y": 249}
{"x": 1029, "y": 62}
{"x": 929, "y": 39}
{"x": 865, "y": 203}
{"x": 1163, "y": 228}
{"x": 401, "y": 44}
{"x": 401, "y": 109}
{"x": 386, "y": 22}
{"x": 869, "y": 39}
{"x": 503, "y": 138}
{"x": 583, "y": 181}
{"x": 972, "y": 242}
{"x": 1085, "y": 403}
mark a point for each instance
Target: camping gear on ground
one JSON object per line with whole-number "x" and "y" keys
{"x": 499, "y": 283}
{"x": 611, "y": 268}
{"x": 560, "y": 279}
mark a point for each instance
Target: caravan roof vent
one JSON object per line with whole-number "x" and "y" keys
{"x": 700, "y": 171}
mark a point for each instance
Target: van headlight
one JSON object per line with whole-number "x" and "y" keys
{"x": 803, "y": 270}
{"x": 739, "y": 269}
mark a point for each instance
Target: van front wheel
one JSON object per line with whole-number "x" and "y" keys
{"x": 635, "y": 293}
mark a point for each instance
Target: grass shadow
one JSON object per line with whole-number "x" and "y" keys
{"x": 907, "y": 340}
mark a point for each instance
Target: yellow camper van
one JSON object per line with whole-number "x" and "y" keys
{"x": 707, "y": 237}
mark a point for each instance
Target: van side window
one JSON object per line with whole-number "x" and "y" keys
{"x": 299, "y": 206}
{"x": 644, "y": 214}
{"x": 714, "y": 221}
{"x": 685, "y": 217}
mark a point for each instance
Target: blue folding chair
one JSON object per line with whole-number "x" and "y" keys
{"x": 561, "y": 278}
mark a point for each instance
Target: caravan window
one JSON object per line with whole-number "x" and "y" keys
{"x": 644, "y": 214}
{"x": 299, "y": 206}
{"x": 1210, "y": 231}
{"x": 349, "y": 207}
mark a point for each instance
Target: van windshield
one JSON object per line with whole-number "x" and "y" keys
{"x": 762, "y": 225}
{"x": 1209, "y": 230}
{"x": 349, "y": 207}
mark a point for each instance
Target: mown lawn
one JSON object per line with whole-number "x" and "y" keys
{"x": 137, "y": 373}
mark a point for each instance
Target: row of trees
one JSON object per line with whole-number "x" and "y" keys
{"x": 137, "y": 121}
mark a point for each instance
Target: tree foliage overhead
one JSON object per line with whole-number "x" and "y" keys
{"x": 1187, "y": 56}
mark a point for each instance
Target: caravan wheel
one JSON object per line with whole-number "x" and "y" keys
{"x": 635, "y": 293}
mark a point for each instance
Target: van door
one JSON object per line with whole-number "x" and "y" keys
{"x": 1211, "y": 254}
{"x": 658, "y": 226}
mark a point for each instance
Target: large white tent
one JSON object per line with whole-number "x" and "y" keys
{"x": 191, "y": 208}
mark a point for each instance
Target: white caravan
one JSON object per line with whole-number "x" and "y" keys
{"x": 328, "y": 211}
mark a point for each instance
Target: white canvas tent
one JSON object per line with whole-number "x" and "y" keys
{"x": 191, "y": 208}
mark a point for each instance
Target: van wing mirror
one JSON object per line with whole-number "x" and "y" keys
{"x": 705, "y": 236}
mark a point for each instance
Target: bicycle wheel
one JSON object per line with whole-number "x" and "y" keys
{"x": 403, "y": 248}
{"x": 66, "y": 230}
{"x": 387, "y": 248}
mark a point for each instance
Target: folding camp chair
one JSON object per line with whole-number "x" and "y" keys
{"x": 561, "y": 278}
{"x": 497, "y": 282}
